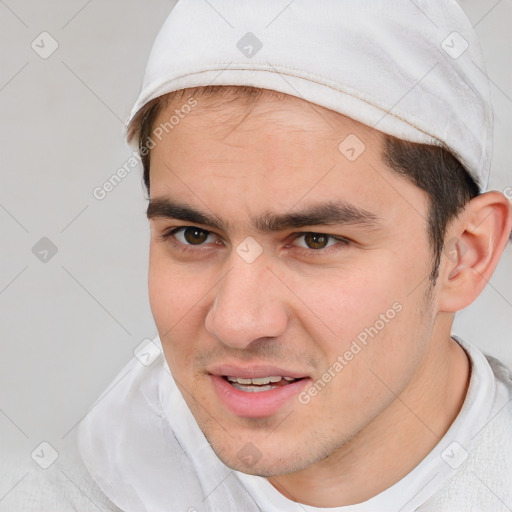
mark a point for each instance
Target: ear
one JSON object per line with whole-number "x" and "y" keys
{"x": 474, "y": 243}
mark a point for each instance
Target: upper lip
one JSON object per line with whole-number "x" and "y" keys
{"x": 254, "y": 371}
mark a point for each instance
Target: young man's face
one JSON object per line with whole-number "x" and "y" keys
{"x": 308, "y": 260}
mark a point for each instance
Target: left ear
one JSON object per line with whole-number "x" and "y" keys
{"x": 474, "y": 243}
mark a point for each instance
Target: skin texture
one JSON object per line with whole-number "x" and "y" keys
{"x": 300, "y": 308}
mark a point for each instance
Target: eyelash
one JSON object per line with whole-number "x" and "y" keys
{"x": 166, "y": 236}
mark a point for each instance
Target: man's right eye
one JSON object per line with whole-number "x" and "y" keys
{"x": 190, "y": 235}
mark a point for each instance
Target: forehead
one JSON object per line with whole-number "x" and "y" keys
{"x": 286, "y": 130}
{"x": 236, "y": 106}
{"x": 232, "y": 155}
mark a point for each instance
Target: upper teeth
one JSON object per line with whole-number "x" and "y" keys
{"x": 258, "y": 380}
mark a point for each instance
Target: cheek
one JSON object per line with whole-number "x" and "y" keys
{"x": 339, "y": 305}
{"x": 366, "y": 317}
{"x": 176, "y": 297}
{"x": 363, "y": 328}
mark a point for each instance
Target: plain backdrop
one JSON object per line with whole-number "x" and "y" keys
{"x": 69, "y": 324}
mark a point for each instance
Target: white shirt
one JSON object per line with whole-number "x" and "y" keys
{"x": 144, "y": 449}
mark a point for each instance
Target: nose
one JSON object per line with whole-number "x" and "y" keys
{"x": 247, "y": 306}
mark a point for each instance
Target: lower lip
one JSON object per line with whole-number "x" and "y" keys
{"x": 258, "y": 404}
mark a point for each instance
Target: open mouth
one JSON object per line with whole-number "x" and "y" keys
{"x": 254, "y": 394}
{"x": 259, "y": 384}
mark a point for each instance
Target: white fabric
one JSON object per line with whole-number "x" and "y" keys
{"x": 400, "y": 66}
{"x": 146, "y": 452}
{"x": 65, "y": 486}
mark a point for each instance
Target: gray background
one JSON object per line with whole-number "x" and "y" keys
{"x": 69, "y": 325}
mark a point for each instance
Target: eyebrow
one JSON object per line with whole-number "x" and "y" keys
{"x": 328, "y": 213}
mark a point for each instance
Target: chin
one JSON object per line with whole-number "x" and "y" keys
{"x": 264, "y": 469}
{"x": 251, "y": 460}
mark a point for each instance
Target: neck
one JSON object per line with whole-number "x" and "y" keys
{"x": 395, "y": 442}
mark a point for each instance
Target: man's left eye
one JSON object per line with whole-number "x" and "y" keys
{"x": 315, "y": 240}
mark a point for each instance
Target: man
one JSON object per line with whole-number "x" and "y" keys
{"x": 316, "y": 183}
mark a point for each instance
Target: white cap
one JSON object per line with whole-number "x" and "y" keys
{"x": 409, "y": 68}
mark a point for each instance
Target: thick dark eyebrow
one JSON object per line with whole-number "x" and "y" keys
{"x": 326, "y": 214}
{"x": 167, "y": 209}
{"x": 329, "y": 213}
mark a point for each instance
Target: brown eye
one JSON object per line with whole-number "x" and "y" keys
{"x": 316, "y": 240}
{"x": 195, "y": 236}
